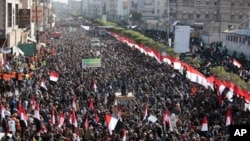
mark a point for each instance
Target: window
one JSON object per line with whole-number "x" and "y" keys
{"x": 198, "y": 2}
{"x": 232, "y": 17}
{"x": 9, "y": 15}
{"x": 184, "y": 16}
{"x": 232, "y": 3}
{"x": 207, "y": 2}
{"x": 191, "y": 17}
{"x": 240, "y": 16}
{"x": 207, "y": 15}
{"x": 158, "y": 3}
{"x": 215, "y": 3}
{"x": 198, "y": 16}
{"x": 215, "y": 16}
{"x": 17, "y": 9}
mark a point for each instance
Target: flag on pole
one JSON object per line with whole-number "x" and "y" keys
{"x": 23, "y": 116}
{"x": 236, "y": 63}
{"x": 229, "y": 118}
{"x": 91, "y": 104}
{"x": 124, "y": 135}
{"x": 53, "y": 121}
{"x": 167, "y": 120}
{"x": 43, "y": 84}
{"x": 204, "y": 125}
{"x": 54, "y": 76}
{"x": 37, "y": 118}
{"x": 86, "y": 122}
{"x": 74, "y": 103}
{"x": 145, "y": 112}
{"x": 2, "y": 112}
{"x": 61, "y": 119}
{"x": 113, "y": 123}
{"x": 72, "y": 119}
{"x": 119, "y": 113}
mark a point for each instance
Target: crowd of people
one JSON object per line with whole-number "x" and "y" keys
{"x": 89, "y": 94}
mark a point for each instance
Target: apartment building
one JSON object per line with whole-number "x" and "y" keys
{"x": 75, "y": 6}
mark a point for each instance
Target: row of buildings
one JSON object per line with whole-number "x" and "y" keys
{"x": 212, "y": 20}
{"x": 24, "y": 21}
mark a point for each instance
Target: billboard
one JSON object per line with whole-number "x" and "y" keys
{"x": 91, "y": 63}
{"x": 37, "y": 14}
{"x": 24, "y": 18}
{"x": 181, "y": 39}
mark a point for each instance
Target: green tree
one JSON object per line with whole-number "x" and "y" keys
{"x": 135, "y": 16}
{"x": 191, "y": 61}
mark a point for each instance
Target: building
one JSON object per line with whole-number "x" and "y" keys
{"x": 18, "y": 23}
{"x": 212, "y": 16}
{"x": 237, "y": 41}
{"x": 75, "y": 6}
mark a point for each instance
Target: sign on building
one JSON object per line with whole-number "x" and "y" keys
{"x": 24, "y": 18}
{"x": 37, "y": 14}
{"x": 181, "y": 39}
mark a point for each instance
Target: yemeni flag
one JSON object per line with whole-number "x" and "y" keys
{"x": 124, "y": 135}
{"x": 167, "y": 120}
{"x": 91, "y": 104}
{"x": 43, "y": 85}
{"x": 23, "y": 116}
{"x": 2, "y": 112}
{"x": 204, "y": 125}
{"x": 37, "y": 118}
{"x": 113, "y": 124}
{"x": 61, "y": 119}
{"x": 54, "y": 76}
{"x": 229, "y": 118}
{"x": 96, "y": 117}
{"x": 236, "y": 63}
{"x": 145, "y": 112}
{"x": 119, "y": 113}
{"x": 72, "y": 118}
{"x": 53, "y": 120}
{"x": 74, "y": 103}
{"x": 93, "y": 86}
{"x": 86, "y": 124}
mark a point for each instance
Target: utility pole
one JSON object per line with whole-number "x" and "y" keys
{"x": 37, "y": 36}
{"x": 168, "y": 23}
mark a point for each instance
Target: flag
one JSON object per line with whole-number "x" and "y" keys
{"x": 74, "y": 103}
{"x": 229, "y": 118}
{"x": 96, "y": 117}
{"x": 208, "y": 64}
{"x": 43, "y": 84}
{"x": 236, "y": 63}
{"x": 145, "y": 112}
{"x": 204, "y": 125}
{"x": 53, "y": 121}
{"x": 2, "y": 112}
{"x": 43, "y": 129}
{"x": 77, "y": 135}
{"x": 86, "y": 122}
{"x": 54, "y": 76}
{"x": 72, "y": 119}
{"x": 113, "y": 123}
{"x": 61, "y": 119}
{"x": 91, "y": 104}
{"x": 119, "y": 113}
{"x": 23, "y": 116}
{"x": 93, "y": 85}
{"x": 167, "y": 120}
{"x": 33, "y": 103}
{"x": 37, "y": 118}
{"x": 124, "y": 135}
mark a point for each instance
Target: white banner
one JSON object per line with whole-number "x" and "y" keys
{"x": 181, "y": 39}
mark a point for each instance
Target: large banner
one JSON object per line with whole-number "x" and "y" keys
{"x": 181, "y": 39}
{"x": 24, "y": 18}
{"x": 91, "y": 63}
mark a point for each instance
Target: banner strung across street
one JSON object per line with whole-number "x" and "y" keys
{"x": 91, "y": 63}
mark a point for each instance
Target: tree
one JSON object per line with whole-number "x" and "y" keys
{"x": 135, "y": 16}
